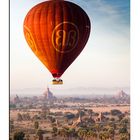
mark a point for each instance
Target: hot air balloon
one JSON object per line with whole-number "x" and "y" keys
{"x": 56, "y": 31}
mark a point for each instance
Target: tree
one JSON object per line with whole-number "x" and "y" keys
{"x": 123, "y": 130}
{"x": 27, "y": 137}
{"x": 39, "y": 134}
{"x": 125, "y": 121}
{"x": 106, "y": 135}
{"x": 35, "y": 137}
{"x": 112, "y": 125}
{"x": 36, "y": 125}
{"x": 111, "y": 132}
{"x": 97, "y": 129}
{"x": 19, "y": 117}
{"x": 70, "y": 116}
{"x": 94, "y": 135}
{"x": 101, "y": 136}
{"x": 82, "y": 133}
{"x": 90, "y": 111}
{"x": 46, "y": 138}
{"x": 11, "y": 125}
{"x": 63, "y": 133}
{"x": 115, "y": 112}
{"x": 26, "y": 117}
{"x": 12, "y": 106}
{"x": 81, "y": 113}
{"x": 19, "y": 135}
{"x": 71, "y": 133}
{"x": 91, "y": 134}
{"x": 55, "y": 129}
{"x": 112, "y": 119}
{"x": 124, "y": 137}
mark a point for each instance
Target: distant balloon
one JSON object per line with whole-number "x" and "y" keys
{"x": 57, "y": 32}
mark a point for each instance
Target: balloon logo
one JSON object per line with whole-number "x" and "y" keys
{"x": 30, "y": 39}
{"x": 56, "y": 32}
{"x": 64, "y": 41}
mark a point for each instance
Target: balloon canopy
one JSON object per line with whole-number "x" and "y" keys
{"x": 57, "y": 32}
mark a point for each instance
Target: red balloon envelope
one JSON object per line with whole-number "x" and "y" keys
{"x": 56, "y": 31}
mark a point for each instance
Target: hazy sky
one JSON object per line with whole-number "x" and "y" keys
{"x": 105, "y": 61}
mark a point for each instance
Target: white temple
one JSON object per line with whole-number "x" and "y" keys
{"x": 48, "y": 94}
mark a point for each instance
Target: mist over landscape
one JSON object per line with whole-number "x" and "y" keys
{"x": 70, "y": 92}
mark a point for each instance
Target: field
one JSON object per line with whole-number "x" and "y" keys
{"x": 56, "y": 118}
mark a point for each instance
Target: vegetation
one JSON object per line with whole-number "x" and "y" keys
{"x": 77, "y": 122}
{"x": 19, "y": 135}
